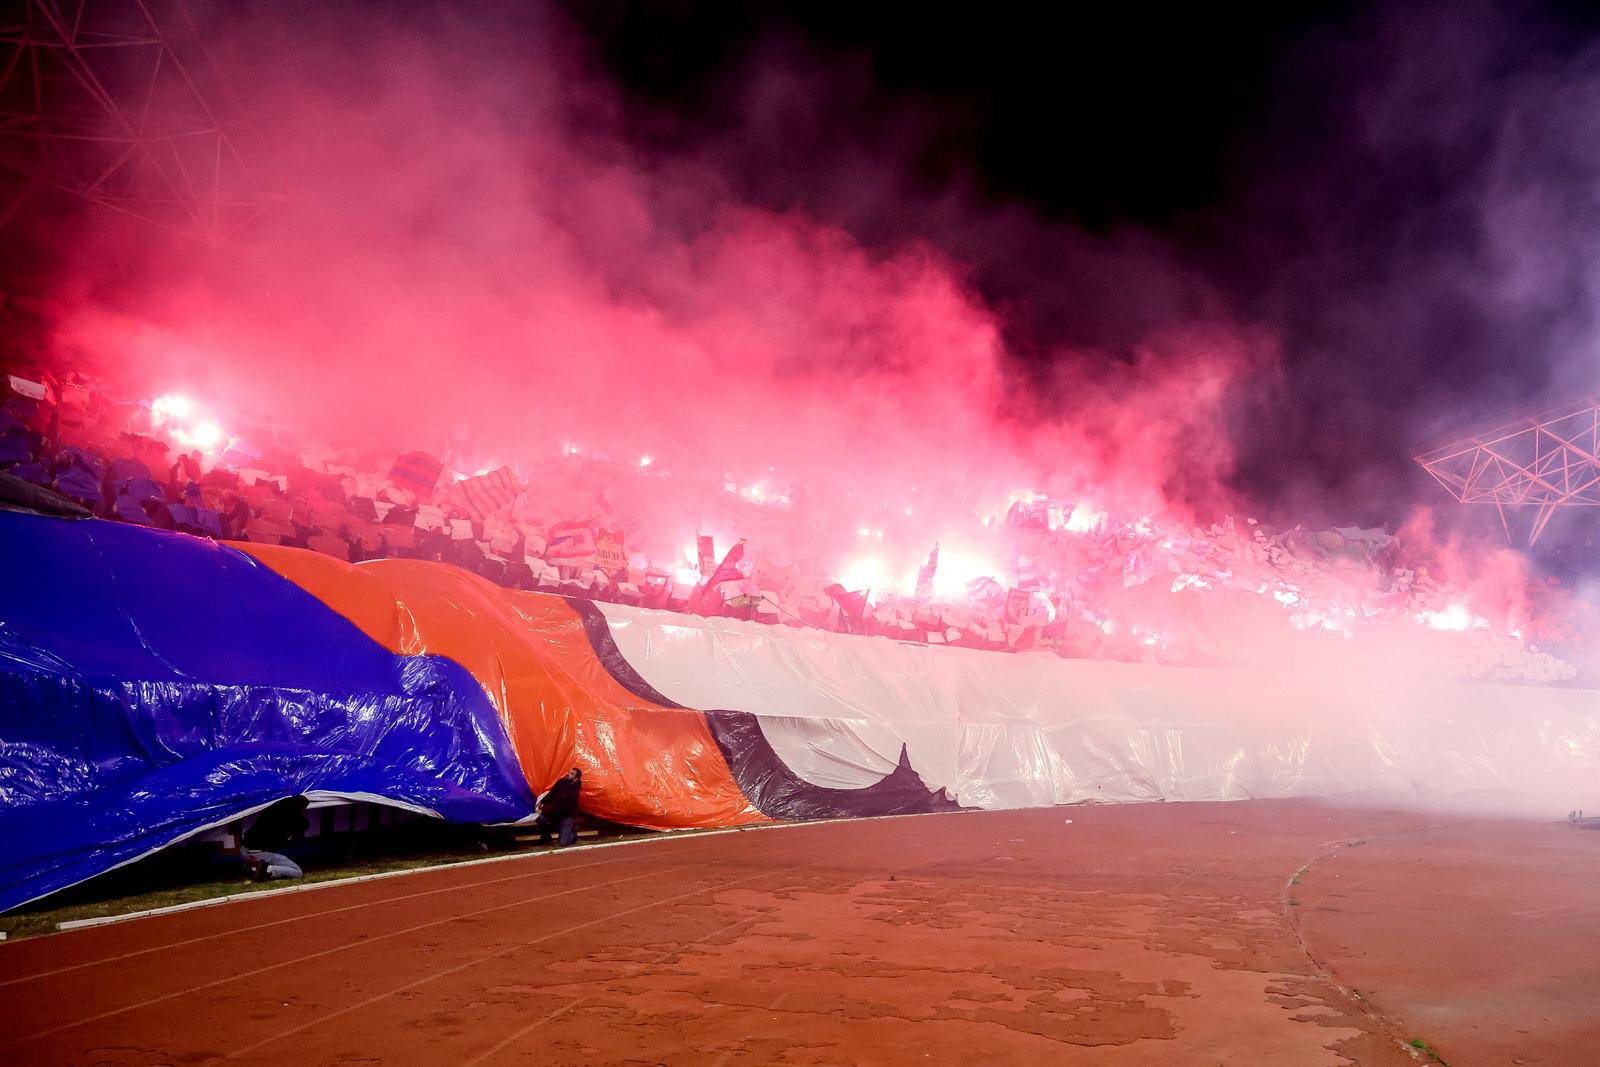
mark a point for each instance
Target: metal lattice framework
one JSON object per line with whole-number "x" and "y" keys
{"x": 118, "y": 101}
{"x": 1546, "y": 462}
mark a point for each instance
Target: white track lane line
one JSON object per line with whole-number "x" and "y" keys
{"x": 663, "y": 837}
{"x": 287, "y": 889}
{"x": 270, "y": 895}
{"x": 369, "y": 1001}
{"x": 297, "y": 918}
{"x": 325, "y": 952}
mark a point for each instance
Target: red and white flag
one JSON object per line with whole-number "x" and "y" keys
{"x": 417, "y": 471}
{"x": 852, "y": 602}
{"x": 1018, "y": 602}
{"x": 727, "y": 571}
{"x": 570, "y": 541}
{"x": 611, "y": 554}
{"x": 485, "y": 495}
{"x": 1029, "y": 515}
{"x": 925, "y": 575}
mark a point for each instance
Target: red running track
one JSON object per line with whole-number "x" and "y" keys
{"x": 1134, "y": 934}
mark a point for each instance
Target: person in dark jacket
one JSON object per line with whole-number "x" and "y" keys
{"x": 236, "y": 519}
{"x": 558, "y": 809}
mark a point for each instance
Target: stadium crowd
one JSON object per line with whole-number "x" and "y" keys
{"x": 1082, "y": 584}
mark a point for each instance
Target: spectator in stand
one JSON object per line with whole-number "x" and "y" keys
{"x": 185, "y": 471}
{"x": 1136, "y": 589}
{"x": 235, "y": 517}
{"x": 558, "y": 809}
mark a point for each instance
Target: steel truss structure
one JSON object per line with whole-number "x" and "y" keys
{"x": 118, "y": 101}
{"x": 1546, "y": 462}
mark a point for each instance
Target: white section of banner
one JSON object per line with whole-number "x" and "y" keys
{"x": 1012, "y": 730}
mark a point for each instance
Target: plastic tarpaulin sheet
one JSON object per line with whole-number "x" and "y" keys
{"x": 645, "y": 762}
{"x": 154, "y": 684}
{"x": 1010, "y": 730}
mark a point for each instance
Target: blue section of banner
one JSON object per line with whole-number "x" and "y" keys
{"x": 154, "y": 684}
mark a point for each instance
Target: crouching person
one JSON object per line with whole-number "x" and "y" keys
{"x": 274, "y": 829}
{"x": 558, "y": 809}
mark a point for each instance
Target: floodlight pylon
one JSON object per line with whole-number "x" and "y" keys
{"x": 118, "y": 101}
{"x": 1542, "y": 463}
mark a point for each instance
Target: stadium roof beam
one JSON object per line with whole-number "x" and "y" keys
{"x": 1549, "y": 461}
{"x": 117, "y": 101}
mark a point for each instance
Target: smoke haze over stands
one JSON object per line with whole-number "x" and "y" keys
{"x": 880, "y": 272}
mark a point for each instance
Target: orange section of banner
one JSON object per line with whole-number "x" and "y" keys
{"x": 643, "y": 764}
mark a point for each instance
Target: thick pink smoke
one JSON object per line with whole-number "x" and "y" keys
{"x": 470, "y": 260}
{"x": 456, "y": 250}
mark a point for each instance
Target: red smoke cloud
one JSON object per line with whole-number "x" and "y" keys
{"x": 470, "y": 259}
{"x": 465, "y": 243}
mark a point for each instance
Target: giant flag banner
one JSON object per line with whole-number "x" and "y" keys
{"x": 154, "y": 685}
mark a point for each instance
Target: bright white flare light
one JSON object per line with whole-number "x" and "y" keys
{"x": 645, "y": 461}
{"x": 958, "y": 567}
{"x": 1454, "y": 617}
{"x": 175, "y": 414}
{"x": 207, "y": 435}
{"x": 1084, "y": 518}
{"x": 168, "y": 407}
{"x": 866, "y": 573}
